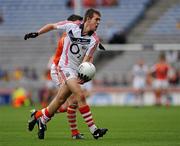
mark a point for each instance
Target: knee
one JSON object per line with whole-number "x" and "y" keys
{"x": 73, "y": 101}
{"x": 81, "y": 97}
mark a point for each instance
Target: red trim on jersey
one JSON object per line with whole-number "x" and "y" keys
{"x": 76, "y": 22}
{"x": 66, "y": 21}
{"x": 96, "y": 37}
{"x": 63, "y": 77}
{"x": 58, "y": 74}
{"x": 66, "y": 60}
{"x": 92, "y": 51}
{"x": 62, "y": 22}
{"x": 94, "y": 48}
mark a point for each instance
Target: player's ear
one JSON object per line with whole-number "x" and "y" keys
{"x": 88, "y": 18}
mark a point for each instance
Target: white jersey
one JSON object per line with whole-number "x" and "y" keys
{"x": 76, "y": 46}
{"x": 139, "y": 73}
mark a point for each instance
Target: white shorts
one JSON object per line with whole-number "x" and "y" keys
{"x": 139, "y": 83}
{"x": 160, "y": 84}
{"x": 61, "y": 75}
{"x": 87, "y": 86}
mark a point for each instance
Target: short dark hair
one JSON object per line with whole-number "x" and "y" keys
{"x": 74, "y": 17}
{"x": 162, "y": 56}
{"x": 90, "y": 12}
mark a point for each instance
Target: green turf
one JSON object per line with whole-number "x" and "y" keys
{"x": 128, "y": 126}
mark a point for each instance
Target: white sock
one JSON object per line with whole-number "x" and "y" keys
{"x": 92, "y": 128}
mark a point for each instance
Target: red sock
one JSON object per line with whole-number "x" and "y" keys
{"x": 86, "y": 114}
{"x": 38, "y": 114}
{"x": 62, "y": 110}
{"x": 46, "y": 116}
{"x": 71, "y": 115}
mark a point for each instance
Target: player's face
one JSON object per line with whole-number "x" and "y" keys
{"x": 94, "y": 22}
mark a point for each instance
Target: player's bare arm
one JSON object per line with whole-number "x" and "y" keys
{"x": 44, "y": 29}
{"x": 88, "y": 59}
{"x": 47, "y": 28}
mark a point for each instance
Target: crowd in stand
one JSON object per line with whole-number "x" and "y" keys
{"x": 28, "y": 73}
{"x": 94, "y": 3}
{"x": 1, "y": 17}
{"x": 47, "y": 89}
{"x": 172, "y": 57}
{"x": 18, "y": 74}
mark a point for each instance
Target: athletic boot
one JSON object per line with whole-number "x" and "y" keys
{"x": 41, "y": 129}
{"x": 99, "y": 132}
{"x": 32, "y": 121}
{"x": 78, "y": 136}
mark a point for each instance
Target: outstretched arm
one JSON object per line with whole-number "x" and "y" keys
{"x": 44, "y": 29}
{"x": 63, "y": 25}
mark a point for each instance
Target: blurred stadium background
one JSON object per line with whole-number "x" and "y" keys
{"x": 130, "y": 30}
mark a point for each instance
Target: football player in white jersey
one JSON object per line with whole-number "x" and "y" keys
{"x": 140, "y": 71}
{"x": 70, "y": 106}
{"x": 79, "y": 46}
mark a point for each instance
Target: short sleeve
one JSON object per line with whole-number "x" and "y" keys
{"x": 64, "y": 25}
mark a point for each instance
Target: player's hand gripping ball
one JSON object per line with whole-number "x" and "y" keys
{"x": 86, "y": 72}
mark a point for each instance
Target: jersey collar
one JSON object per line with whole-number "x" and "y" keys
{"x": 82, "y": 27}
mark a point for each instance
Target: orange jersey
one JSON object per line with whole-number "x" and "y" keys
{"x": 161, "y": 71}
{"x": 59, "y": 49}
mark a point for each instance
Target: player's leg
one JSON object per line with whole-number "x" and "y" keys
{"x": 157, "y": 92}
{"x": 142, "y": 97}
{"x": 71, "y": 116}
{"x": 41, "y": 117}
{"x": 63, "y": 107}
{"x": 85, "y": 109}
{"x": 139, "y": 85}
{"x": 69, "y": 106}
{"x": 56, "y": 78}
{"x": 136, "y": 91}
{"x": 44, "y": 115}
{"x": 166, "y": 93}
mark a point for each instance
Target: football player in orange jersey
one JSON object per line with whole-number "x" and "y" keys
{"x": 160, "y": 72}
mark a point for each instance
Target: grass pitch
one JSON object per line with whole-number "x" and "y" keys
{"x": 128, "y": 126}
